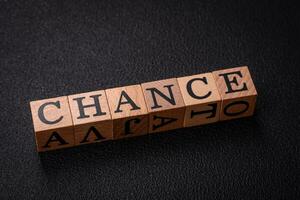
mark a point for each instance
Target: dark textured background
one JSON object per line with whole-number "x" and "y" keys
{"x": 54, "y": 48}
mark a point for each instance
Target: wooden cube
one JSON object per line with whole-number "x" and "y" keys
{"x": 91, "y": 117}
{"x": 237, "y": 91}
{"x": 201, "y": 98}
{"x": 165, "y": 105}
{"x": 52, "y": 123}
{"x": 128, "y": 111}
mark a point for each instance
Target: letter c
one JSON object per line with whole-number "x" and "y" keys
{"x": 42, "y": 116}
{"x": 191, "y": 92}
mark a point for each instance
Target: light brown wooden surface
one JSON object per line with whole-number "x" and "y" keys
{"x": 57, "y": 130}
{"x": 237, "y": 91}
{"x": 202, "y": 99}
{"x": 164, "y": 114}
{"x": 128, "y": 111}
{"x": 140, "y": 109}
{"x": 94, "y": 124}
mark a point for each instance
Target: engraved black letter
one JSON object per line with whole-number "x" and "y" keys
{"x": 127, "y": 125}
{"x": 82, "y": 107}
{"x": 96, "y": 132}
{"x": 191, "y": 92}
{"x": 164, "y": 121}
{"x": 236, "y": 103}
{"x": 128, "y": 100}
{"x": 55, "y": 137}
{"x": 42, "y": 116}
{"x": 213, "y": 111}
{"x": 228, "y": 82}
{"x": 170, "y": 99}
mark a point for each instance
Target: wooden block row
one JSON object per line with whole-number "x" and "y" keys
{"x": 142, "y": 109}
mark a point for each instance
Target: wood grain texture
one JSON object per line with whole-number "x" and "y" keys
{"x": 237, "y": 91}
{"x": 52, "y": 123}
{"x": 165, "y": 105}
{"x": 128, "y": 110}
{"x": 201, "y": 98}
{"x": 91, "y": 117}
